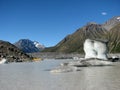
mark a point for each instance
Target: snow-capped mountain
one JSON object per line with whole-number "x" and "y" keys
{"x": 29, "y": 46}
{"x": 111, "y": 23}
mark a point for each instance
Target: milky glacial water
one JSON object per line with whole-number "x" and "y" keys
{"x": 36, "y": 76}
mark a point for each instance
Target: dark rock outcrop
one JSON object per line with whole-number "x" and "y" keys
{"x": 12, "y": 53}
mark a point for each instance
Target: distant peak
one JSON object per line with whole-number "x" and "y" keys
{"x": 24, "y": 39}
{"x": 116, "y": 18}
{"x": 29, "y": 46}
{"x": 89, "y": 23}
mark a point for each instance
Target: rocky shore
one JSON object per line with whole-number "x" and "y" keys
{"x": 75, "y": 56}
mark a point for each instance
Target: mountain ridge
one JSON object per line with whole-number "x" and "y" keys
{"x": 74, "y": 42}
{"x": 111, "y": 22}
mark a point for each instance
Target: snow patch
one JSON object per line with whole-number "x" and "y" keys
{"x": 118, "y": 18}
{"x": 38, "y": 45}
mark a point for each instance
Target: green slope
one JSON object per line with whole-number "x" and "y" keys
{"x": 114, "y": 39}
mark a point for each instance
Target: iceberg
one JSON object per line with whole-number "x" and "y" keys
{"x": 95, "y": 49}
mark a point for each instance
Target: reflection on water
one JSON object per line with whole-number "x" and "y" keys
{"x": 34, "y": 76}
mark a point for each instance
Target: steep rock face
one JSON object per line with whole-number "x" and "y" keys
{"x": 29, "y": 46}
{"x": 11, "y": 52}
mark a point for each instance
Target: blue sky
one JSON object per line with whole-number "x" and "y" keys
{"x": 49, "y": 21}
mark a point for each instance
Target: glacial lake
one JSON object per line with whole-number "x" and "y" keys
{"x": 36, "y": 76}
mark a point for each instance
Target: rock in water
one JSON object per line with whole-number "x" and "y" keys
{"x": 63, "y": 69}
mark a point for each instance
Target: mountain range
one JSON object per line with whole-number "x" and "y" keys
{"x": 110, "y": 30}
{"x": 73, "y": 43}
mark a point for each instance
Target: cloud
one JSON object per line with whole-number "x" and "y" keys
{"x": 104, "y": 13}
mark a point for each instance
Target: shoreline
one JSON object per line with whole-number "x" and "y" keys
{"x": 58, "y": 55}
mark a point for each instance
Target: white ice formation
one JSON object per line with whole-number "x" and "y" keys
{"x": 95, "y": 49}
{"x": 118, "y": 18}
